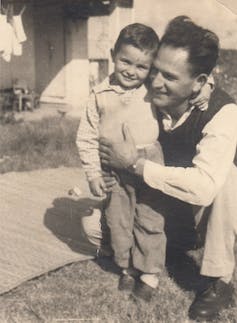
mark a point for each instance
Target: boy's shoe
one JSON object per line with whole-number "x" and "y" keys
{"x": 126, "y": 282}
{"x": 143, "y": 291}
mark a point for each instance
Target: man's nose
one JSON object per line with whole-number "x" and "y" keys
{"x": 157, "y": 81}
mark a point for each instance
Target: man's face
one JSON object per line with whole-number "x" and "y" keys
{"x": 171, "y": 81}
{"x": 131, "y": 66}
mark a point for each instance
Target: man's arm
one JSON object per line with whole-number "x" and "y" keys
{"x": 196, "y": 185}
{"x": 215, "y": 154}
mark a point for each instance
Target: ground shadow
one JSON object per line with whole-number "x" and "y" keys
{"x": 184, "y": 250}
{"x": 107, "y": 264}
{"x": 64, "y": 220}
{"x": 184, "y": 246}
{"x": 184, "y": 268}
{"x": 183, "y": 255}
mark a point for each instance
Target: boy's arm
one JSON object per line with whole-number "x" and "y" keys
{"x": 211, "y": 82}
{"x": 88, "y": 139}
{"x": 201, "y": 100}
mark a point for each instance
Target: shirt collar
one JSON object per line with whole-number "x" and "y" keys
{"x": 114, "y": 85}
{"x": 189, "y": 110}
{"x": 167, "y": 120}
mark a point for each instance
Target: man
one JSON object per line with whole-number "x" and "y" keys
{"x": 199, "y": 148}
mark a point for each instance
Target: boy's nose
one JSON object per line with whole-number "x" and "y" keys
{"x": 130, "y": 70}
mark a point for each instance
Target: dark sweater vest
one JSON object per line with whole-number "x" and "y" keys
{"x": 179, "y": 145}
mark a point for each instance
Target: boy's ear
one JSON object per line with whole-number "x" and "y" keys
{"x": 200, "y": 81}
{"x": 112, "y": 54}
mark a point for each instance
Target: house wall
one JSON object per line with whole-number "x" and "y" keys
{"x": 102, "y": 34}
{"x": 98, "y": 37}
{"x": 77, "y": 64}
{"x": 88, "y": 44}
{"x": 50, "y": 52}
{"x": 61, "y": 52}
{"x": 21, "y": 67}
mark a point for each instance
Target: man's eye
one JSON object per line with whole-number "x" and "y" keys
{"x": 169, "y": 77}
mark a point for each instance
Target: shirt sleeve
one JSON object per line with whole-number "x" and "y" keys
{"x": 88, "y": 139}
{"x": 215, "y": 154}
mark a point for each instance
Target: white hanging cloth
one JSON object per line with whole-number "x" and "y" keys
{"x": 12, "y": 35}
{"x": 18, "y": 27}
{"x": 6, "y": 39}
{"x": 16, "y": 45}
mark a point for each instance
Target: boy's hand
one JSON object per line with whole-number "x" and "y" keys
{"x": 97, "y": 186}
{"x": 109, "y": 181}
{"x": 203, "y": 97}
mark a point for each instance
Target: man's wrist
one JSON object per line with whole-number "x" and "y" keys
{"x": 137, "y": 167}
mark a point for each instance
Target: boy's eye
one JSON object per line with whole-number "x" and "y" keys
{"x": 125, "y": 61}
{"x": 143, "y": 67}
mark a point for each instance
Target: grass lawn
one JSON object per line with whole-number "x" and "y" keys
{"x": 87, "y": 291}
{"x": 47, "y": 143}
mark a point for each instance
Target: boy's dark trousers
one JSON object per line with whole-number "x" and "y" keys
{"x": 134, "y": 214}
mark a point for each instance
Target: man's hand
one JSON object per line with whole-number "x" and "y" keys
{"x": 119, "y": 155}
{"x": 97, "y": 186}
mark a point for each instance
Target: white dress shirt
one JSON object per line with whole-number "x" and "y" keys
{"x": 199, "y": 184}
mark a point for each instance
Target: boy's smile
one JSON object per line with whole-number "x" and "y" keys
{"x": 131, "y": 66}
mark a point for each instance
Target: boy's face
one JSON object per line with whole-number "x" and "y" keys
{"x": 131, "y": 66}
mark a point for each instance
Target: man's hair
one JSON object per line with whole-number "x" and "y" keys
{"x": 201, "y": 44}
{"x": 140, "y": 36}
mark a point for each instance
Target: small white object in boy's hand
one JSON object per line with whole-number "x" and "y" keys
{"x": 75, "y": 191}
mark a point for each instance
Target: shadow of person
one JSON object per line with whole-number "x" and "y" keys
{"x": 108, "y": 264}
{"x": 63, "y": 219}
{"x": 183, "y": 253}
{"x": 184, "y": 268}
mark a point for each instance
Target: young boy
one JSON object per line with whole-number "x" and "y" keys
{"x": 136, "y": 232}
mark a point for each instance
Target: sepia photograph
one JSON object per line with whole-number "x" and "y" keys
{"x": 118, "y": 161}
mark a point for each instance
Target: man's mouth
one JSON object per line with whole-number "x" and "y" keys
{"x": 158, "y": 93}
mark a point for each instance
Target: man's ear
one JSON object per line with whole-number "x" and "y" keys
{"x": 200, "y": 81}
{"x": 112, "y": 53}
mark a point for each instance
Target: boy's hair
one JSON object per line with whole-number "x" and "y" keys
{"x": 139, "y": 36}
{"x": 201, "y": 44}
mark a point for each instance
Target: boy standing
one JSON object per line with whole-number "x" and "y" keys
{"x": 137, "y": 232}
